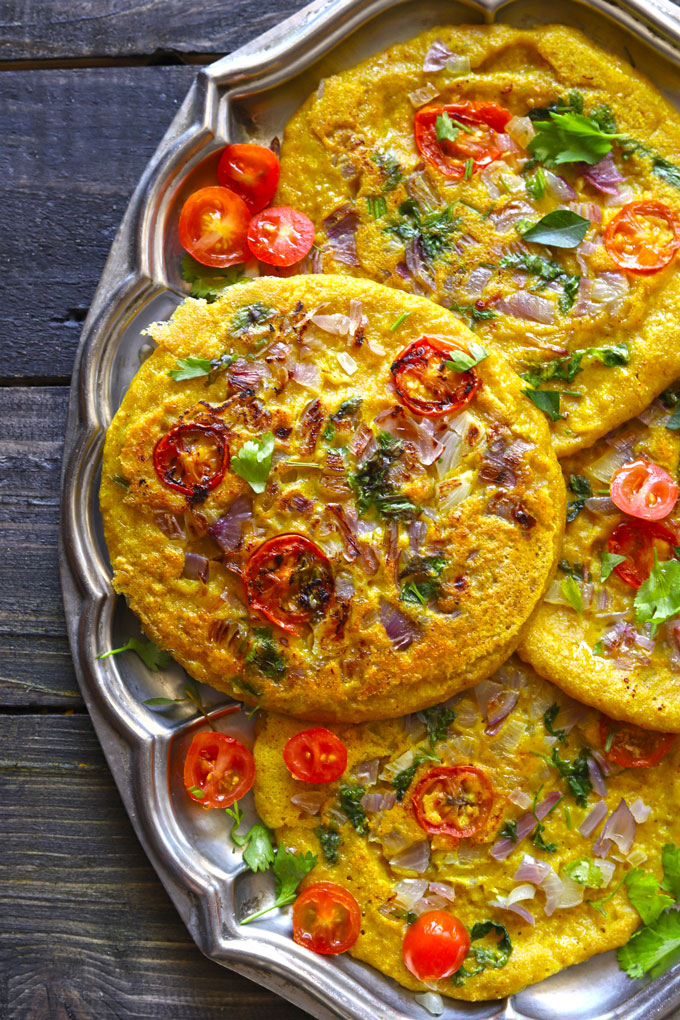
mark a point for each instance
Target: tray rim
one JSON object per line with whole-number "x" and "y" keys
{"x": 130, "y": 277}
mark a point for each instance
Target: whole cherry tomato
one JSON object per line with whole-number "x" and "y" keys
{"x": 191, "y": 458}
{"x": 643, "y": 237}
{"x": 315, "y": 756}
{"x": 280, "y": 236}
{"x": 426, "y": 384}
{"x": 326, "y": 919}
{"x": 475, "y": 126}
{"x": 453, "y": 799}
{"x": 632, "y": 747}
{"x": 218, "y": 770}
{"x": 644, "y": 489}
{"x": 289, "y": 580}
{"x": 638, "y": 541}
{"x": 435, "y": 946}
{"x": 252, "y": 171}
{"x": 213, "y": 227}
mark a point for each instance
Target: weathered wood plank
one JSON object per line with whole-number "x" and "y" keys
{"x": 35, "y": 663}
{"x": 53, "y": 30}
{"x": 88, "y": 931}
{"x": 74, "y": 144}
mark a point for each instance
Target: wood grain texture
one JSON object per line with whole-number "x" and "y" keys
{"x": 51, "y": 29}
{"x": 74, "y": 144}
{"x": 88, "y": 932}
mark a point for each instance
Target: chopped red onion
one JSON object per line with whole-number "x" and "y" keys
{"x": 524, "y": 305}
{"x": 593, "y": 819}
{"x": 400, "y": 629}
{"x": 415, "y": 858}
{"x": 336, "y": 323}
{"x": 247, "y": 375}
{"x": 587, "y": 210}
{"x": 604, "y": 506}
{"x": 423, "y": 95}
{"x": 196, "y": 567}
{"x": 408, "y": 891}
{"x": 639, "y": 810}
{"x": 525, "y": 826}
{"x": 513, "y": 211}
{"x": 417, "y": 264}
{"x": 356, "y": 316}
{"x": 596, "y": 778}
{"x": 340, "y": 229}
{"x": 602, "y": 763}
{"x": 309, "y": 801}
{"x": 347, "y": 520}
{"x": 521, "y": 129}
{"x": 366, "y": 772}
{"x": 619, "y": 829}
{"x": 344, "y": 587}
{"x": 306, "y": 374}
{"x": 643, "y": 641}
{"x": 417, "y": 530}
{"x": 558, "y": 187}
{"x": 477, "y": 281}
{"x": 486, "y": 692}
{"x": 531, "y": 870}
{"x": 437, "y": 56}
{"x": 624, "y": 195}
{"x": 603, "y": 176}
{"x": 170, "y": 525}
{"x": 227, "y": 530}
{"x": 443, "y": 889}
{"x": 499, "y": 709}
{"x": 372, "y": 803}
{"x": 420, "y": 435}
{"x": 522, "y": 912}
{"x": 520, "y": 798}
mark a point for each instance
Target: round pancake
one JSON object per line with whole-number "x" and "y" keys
{"x": 514, "y": 760}
{"x": 605, "y": 656}
{"x": 352, "y": 144}
{"x": 441, "y": 533}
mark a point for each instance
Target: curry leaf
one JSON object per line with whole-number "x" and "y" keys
{"x": 547, "y": 401}
{"x": 561, "y": 228}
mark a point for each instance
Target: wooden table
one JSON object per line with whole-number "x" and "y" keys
{"x": 87, "y": 89}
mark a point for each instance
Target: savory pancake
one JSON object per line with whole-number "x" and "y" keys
{"x": 527, "y": 179}
{"x": 318, "y": 501}
{"x": 541, "y": 756}
{"x": 608, "y": 631}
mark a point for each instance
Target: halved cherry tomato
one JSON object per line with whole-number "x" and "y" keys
{"x": 476, "y": 139}
{"x": 252, "y": 171}
{"x": 435, "y": 946}
{"x": 453, "y": 799}
{"x": 191, "y": 458}
{"x": 643, "y": 237}
{"x": 219, "y": 767}
{"x": 315, "y": 756}
{"x": 280, "y": 236}
{"x": 644, "y": 489}
{"x": 289, "y": 580}
{"x": 326, "y": 919}
{"x": 213, "y": 227}
{"x": 637, "y": 541}
{"x": 632, "y": 747}
{"x": 424, "y": 383}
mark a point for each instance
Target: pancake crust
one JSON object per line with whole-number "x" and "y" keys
{"x": 491, "y": 522}
{"x": 353, "y": 141}
{"x": 511, "y": 760}
{"x": 624, "y": 676}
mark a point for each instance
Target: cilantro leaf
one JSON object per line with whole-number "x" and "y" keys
{"x": 403, "y": 779}
{"x": 330, "y": 841}
{"x": 208, "y": 282}
{"x": 445, "y": 129}
{"x": 472, "y": 314}
{"x": 265, "y": 655}
{"x": 586, "y": 872}
{"x": 509, "y": 830}
{"x": 423, "y": 585}
{"x": 549, "y": 717}
{"x": 667, "y": 171}
{"x": 547, "y": 401}
{"x": 459, "y": 361}
{"x": 572, "y": 594}
{"x": 437, "y": 721}
{"x": 153, "y": 657}
{"x": 572, "y": 138}
{"x": 289, "y": 869}
{"x": 190, "y": 368}
{"x": 254, "y": 460}
{"x": 645, "y": 895}
{"x": 670, "y": 858}
{"x": 561, "y": 228}
{"x": 568, "y": 366}
{"x": 652, "y": 949}
{"x": 259, "y": 852}
{"x": 484, "y": 957}
{"x": 608, "y": 562}
{"x": 658, "y": 598}
{"x": 350, "y": 802}
{"x": 574, "y": 507}
{"x": 373, "y": 487}
{"x": 433, "y": 230}
{"x": 391, "y": 168}
{"x": 570, "y": 288}
{"x": 250, "y": 315}
{"x": 673, "y": 422}
{"x": 575, "y": 773}
{"x": 580, "y": 485}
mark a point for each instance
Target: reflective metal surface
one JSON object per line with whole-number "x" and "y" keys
{"x": 249, "y": 95}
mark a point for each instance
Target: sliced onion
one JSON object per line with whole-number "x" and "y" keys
{"x": 520, "y": 799}
{"x": 606, "y": 869}
{"x": 366, "y": 772}
{"x": 431, "y": 1001}
{"x": 344, "y": 587}
{"x": 521, "y": 129}
{"x": 340, "y": 229}
{"x": 417, "y": 264}
{"x": 602, "y": 505}
{"x": 398, "y": 423}
{"x": 451, "y": 454}
{"x": 604, "y": 467}
{"x": 309, "y": 801}
{"x": 347, "y": 362}
{"x": 227, "y": 529}
{"x": 409, "y": 891}
{"x": 558, "y": 187}
{"x": 307, "y": 374}
{"x": 485, "y": 692}
{"x": 417, "y": 531}
{"x": 196, "y": 567}
{"x": 499, "y": 711}
{"x": 247, "y": 375}
{"x": 619, "y": 829}
{"x": 394, "y": 842}
{"x": 513, "y": 211}
{"x": 596, "y": 778}
{"x": 624, "y": 195}
{"x": 458, "y": 66}
{"x": 400, "y": 629}
{"x": 526, "y": 891}
{"x": 356, "y": 316}
{"x": 531, "y": 870}
{"x": 524, "y": 305}
{"x": 437, "y": 56}
{"x": 372, "y": 803}
{"x": 443, "y": 889}
{"x": 423, "y": 95}
{"x": 415, "y": 858}
{"x": 553, "y": 888}
{"x": 170, "y": 525}
{"x": 593, "y": 819}
{"x": 639, "y": 810}
{"x": 336, "y": 323}
{"x": 477, "y": 281}
{"x": 603, "y": 176}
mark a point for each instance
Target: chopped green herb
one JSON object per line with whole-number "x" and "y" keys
{"x": 658, "y": 598}
{"x": 484, "y": 957}
{"x": 437, "y": 721}
{"x": 571, "y": 137}
{"x": 653, "y": 949}
{"x": 561, "y": 228}
{"x": 391, "y": 168}
{"x": 572, "y": 594}
{"x": 536, "y": 184}
{"x": 120, "y": 480}
{"x": 434, "y": 230}
{"x": 445, "y": 129}
{"x": 153, "y": 657}
{"x": 667, "y": 171}
{"x": 377, "y": 206}
{"x": 598, "y": 649}
{"x": 586, "y": 872}
{"x": 372, "y": 487}
{"x": 254, "y": 460}
{"x": 646, "y": 895}
{"x": 575, "y": 773}
{"x": 328, "y": 432}
{"x": 608, "y": 561}
{"x": 567, "y": 367}
{"x": 196, "y": 791}
{"x": 423, "y": 585}
{"x": 573, "y": 569}
{"x": 670, "y": 859}
{"x": 472, "y": 314}
{"x": 460, "y": 361}
{"x": 190, "y": 368}
{"x": 673, "y": 422}
{"x": 264, "y": 654}
{"x": 207, "y": 282}
{"x": 547, "y": 401}
{"x": 403, "y": 779}
{"x": 289, "y": 869}
{"x": 330, "y": 841}
{"x": 580, "y": 485}
{"x": 350, "y": 802}
{"x": 549, "y": 717}
{"x": 509, "y": 830}
{"x": 469, "y": 166}
{"x": 251, "y": 315}
{"x": 398, "y": 321}
{"x": 347, "y": 408}
{"x": 258, "y": 851}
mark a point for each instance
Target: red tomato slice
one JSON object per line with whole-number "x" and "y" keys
{"x": 637, "y": 541}
{"x": 289, "y": 580}
{"x": 191, "y": 458}
{"x": 213, "y": 227}
{"x": 326, "y": 919}
{"x": 643, "y": 237}
{"x": 644, "y": 489}
{"x": 220, "y": 768}
{"x": 453, "y": 799}
{"x": 476, "y": 139}
{"x": 424, "y": 383}
{"x": 315, "y": 756}
{"x": 435, "y": 946}
{"x": 280, "y": 236}
{"x": 252, "y": 171}
{"x": 632, "y": 747}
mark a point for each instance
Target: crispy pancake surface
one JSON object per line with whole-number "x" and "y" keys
{"x": 349, "y": 160}
{"x": 605, "y": 655}
{"x": 440, "y": 533}
{"x": 462, "y": 876}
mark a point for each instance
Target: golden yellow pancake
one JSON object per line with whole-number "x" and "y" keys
{"x": 589, "y": 637}
{"x": 393, "y": 867}
{"x": 440, "y": 533}
{"x": 382, "y": 210}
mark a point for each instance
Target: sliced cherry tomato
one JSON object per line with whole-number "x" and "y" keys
{"x": 644, "y": 489}
{"x": 315, "y": 756}
{"x": 326, "y": 919}
{"x": 453, "y": 799}
{"x": 477, "y": 125}
{"x": 289, "y": 580}
{"x": 632, "y": 747}
{"x": 213, "y": 227}
{"x": 637, "y": 541}
{"x": 435, "y": 946}
{"x": 191, "y": 458}
{"x": 424, "y": 383}
{"x": 280, "y": 236}
{"x": 220, "y": 768}
{"x": 252, "y": 171}
{"x": 643, "y": 237}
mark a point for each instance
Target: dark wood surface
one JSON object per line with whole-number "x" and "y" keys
{"x": 87, "y": 89}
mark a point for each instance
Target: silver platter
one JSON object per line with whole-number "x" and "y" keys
{"x": 249, "y": 95}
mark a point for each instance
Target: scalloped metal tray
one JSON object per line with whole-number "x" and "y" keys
{"x": 249, "y": 95}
